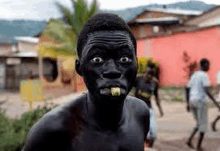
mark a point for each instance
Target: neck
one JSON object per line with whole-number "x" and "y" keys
{"x": 106, "y": 114}
{"x": 202, "y": 69}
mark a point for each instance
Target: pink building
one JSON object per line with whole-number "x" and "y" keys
{"x": 168, "y": 51}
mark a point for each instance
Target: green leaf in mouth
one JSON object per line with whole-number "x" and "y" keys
{"x": 116, "y": 91}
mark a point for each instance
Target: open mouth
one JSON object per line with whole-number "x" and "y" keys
{"x": 112, "y": 91}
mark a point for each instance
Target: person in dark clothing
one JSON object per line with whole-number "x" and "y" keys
{"x": 156, "y": 78}
{"x": 145, "y": 88}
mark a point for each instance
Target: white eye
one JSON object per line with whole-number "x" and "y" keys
{"x": 97, "y": 60}
{"x": 125, "y": 60}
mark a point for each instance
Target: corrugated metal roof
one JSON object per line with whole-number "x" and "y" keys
{"x": 161, "y": 19}
{"x": 27, "y": 39}
{"x": 130, "y": 14}
{"x": 127, "y": 14}
{"x": 19, "y": 54}
{"x": 176, "y": 11}
{"x": 4, "y": 39}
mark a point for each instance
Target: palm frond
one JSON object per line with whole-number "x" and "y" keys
{"x": 67, "y": 14}
{"x": 57, "y": 50}
{"x": 64, "y": 34}
{"x": 93, "y": 9}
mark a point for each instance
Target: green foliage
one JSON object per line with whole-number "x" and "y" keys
{"x": 64, "y": 33}
{"x": 177, "y": 99}
{"x": 63, "y": 40}
{"x": 143, "y": 63}
{"x": 170, "y": 89}
{"x": 13, "y": 131}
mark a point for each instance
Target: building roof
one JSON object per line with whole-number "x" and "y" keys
{"x": 209, "y": 18}
{"x": 176, "y": 11}
{"x": 11, "y": 28}
{"x": 4, "y": 39}
{"x": 210, "y": 10}
{"x": 193, "y": 30}
{"x": 127, "y": 14}
{"x": 19, "y": 54}
{"x": 27, "y": 39}
{"x": 160, "y": 20}
{"x": 130, "y": 14}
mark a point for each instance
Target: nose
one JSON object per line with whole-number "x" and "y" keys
{"x": 112, "y": 71}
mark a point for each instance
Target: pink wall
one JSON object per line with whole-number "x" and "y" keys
{"x": 143, "y": 48}
{"x": 169, "y": 51}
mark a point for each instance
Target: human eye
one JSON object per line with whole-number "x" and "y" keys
{"x": 97, "y": 60}
{"x": 125, "y": 59}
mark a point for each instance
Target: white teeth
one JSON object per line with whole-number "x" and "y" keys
{"x": 104, "y": 91}
{"x": 116, "y": 91}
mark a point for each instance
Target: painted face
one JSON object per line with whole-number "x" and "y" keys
{"x": 150, "y": 74}
{"x": 108, "y": 62}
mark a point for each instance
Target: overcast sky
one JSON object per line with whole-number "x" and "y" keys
{"x": 45, "y": 9}
{"x": 120, "y": 4}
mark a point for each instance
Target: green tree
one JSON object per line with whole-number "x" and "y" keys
{"x": 63, "y": 33}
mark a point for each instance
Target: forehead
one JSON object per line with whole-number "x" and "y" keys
{"x": 109, "y": 34}
{"x": 108, "y": 39}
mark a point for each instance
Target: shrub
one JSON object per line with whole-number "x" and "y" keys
{"x": 13, "y": 131}
{"x": 143, "y": 63}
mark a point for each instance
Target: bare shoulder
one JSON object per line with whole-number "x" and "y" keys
{"x": 56, "y": 118}
{"x": 53, "y": 126}
{"x": 137, "y": 105}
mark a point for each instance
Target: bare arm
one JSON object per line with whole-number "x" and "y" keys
{"x": 187, "y": 98}
{"x": 207, "y": 91}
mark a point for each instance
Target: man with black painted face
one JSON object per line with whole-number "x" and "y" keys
{"x": 104, "y": 118}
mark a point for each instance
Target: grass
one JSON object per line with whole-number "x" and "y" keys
{"x": 170, "y": 89}
{"x": 177, "y": 99}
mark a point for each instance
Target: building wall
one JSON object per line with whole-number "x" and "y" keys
{"x": 168, "y": 51}
{"x": 27, "y": 46}
{"x": 2, "y": 73}
{"x": 144, "y": 30}
{"x": 143, "y": 48}
{"x": 29, "y": 64}
{"x": 5, "y": 48}
{"x": 80, "y": 86}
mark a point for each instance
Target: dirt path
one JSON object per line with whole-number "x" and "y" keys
{"x": 173, "y": 129}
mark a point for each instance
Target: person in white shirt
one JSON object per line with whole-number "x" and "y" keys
{"x": 196, "y": 91}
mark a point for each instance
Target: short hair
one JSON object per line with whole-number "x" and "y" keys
{"x": 102, "y": 22}
{"x": 203, "y": 62}
{"x": 151, "y": 65}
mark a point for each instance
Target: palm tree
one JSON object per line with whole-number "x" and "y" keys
{"x": 63, "y": 33}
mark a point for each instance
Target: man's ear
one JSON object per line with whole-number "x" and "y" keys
{"x": 78, "y": 67}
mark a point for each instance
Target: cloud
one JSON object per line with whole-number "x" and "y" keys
{"x": 28, "y": 9}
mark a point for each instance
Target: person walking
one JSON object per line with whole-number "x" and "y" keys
{"x": 196, "y": 91}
